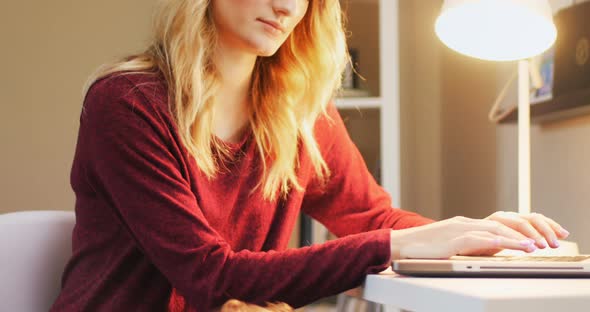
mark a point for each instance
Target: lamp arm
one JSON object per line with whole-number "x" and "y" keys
{"x": 496, "y": 114}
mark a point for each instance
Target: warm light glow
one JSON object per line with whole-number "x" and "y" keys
{"x": 499, "y": 30}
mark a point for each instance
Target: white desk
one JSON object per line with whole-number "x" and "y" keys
{"x": 477, "y": 294}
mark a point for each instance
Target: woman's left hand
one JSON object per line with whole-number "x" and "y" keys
{"x": 535, "y": 226}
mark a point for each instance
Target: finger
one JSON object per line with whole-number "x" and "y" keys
{"x": 474, "y": 243}
{"x": 539, "y": 222}
{"x": 522, "y": 225}
{"x": 498, "y": 228}
{"x": 485, "y": 252}
{"x": 557, "y": 228}
{"x": 527, "y": 244}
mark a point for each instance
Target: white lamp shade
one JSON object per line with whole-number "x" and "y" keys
{"x": 498, "y": 30}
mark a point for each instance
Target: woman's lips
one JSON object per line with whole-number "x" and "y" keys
{"x": 272, "y": 26}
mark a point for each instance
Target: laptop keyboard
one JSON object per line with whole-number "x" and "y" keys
{"x": 548, "y": 258}
{"x": 527, "y": 258}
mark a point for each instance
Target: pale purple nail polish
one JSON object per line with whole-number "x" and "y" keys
{"x": 526, "y": 242}
{"x": 564, "y": 232}
{"x": 555, "y": 243}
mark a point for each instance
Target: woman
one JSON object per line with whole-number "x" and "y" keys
{"x": 195, "y": 157}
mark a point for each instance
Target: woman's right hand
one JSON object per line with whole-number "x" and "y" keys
{"x": 457, "y": 236}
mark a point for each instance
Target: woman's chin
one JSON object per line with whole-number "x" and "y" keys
{"x": 266, "y": 52}
{"x": 265, "y": 49}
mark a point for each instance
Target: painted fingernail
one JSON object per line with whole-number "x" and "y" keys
{"x": 541, "y": 243}
{"x": 532, "y": 248}
{"x": 555, "y": 243}
{"x": 526, "y": 242}
{"x": 564, "y": 232}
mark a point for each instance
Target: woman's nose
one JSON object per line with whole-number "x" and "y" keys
{"x": 285, "y": 7}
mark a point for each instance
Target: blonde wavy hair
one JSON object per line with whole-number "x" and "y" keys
{"x": 289, "y": 90}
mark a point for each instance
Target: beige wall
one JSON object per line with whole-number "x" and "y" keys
{"x": 48, "y": 50}
{"x": 468, "y": 138}
{"x": 448, "y": 146}
{"x": 560, "y": 173}
{"x": 420, "y": 109}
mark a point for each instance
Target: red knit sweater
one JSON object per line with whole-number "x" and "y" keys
{"x": 154, "y": 234}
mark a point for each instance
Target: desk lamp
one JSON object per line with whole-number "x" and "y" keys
{"x": 503, "y": 30}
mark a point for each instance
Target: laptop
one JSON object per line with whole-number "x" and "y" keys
{"x": 496, "y": 266}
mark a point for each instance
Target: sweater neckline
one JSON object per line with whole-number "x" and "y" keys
{"x": 235, "y": 146}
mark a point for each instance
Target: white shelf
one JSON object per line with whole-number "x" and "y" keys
{"x": 358, "y": 102}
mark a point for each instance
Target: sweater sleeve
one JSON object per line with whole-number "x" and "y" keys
{"x": 350, "y": 201}
{"x": 130, "y": 162}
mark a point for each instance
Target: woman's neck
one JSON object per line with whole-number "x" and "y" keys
{"x": 231, "y": 102}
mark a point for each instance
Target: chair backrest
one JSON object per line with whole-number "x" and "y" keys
{"x": 34, "y": 248}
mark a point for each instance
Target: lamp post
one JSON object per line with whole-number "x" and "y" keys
{"x": 503, "y": 30}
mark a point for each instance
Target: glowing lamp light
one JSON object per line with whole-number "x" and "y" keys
{"x": 497, "y": 30}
